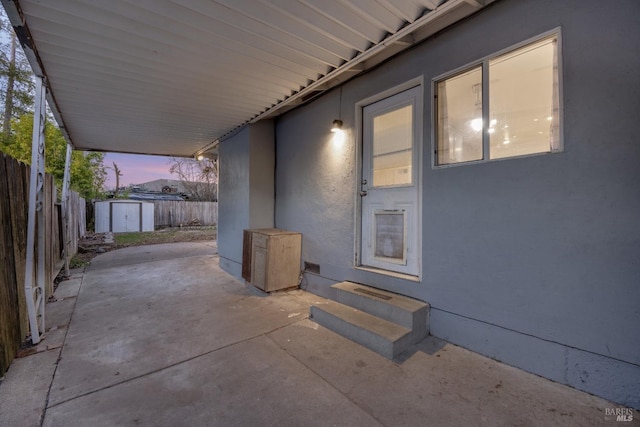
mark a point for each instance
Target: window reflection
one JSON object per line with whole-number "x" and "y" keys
{"x": 393, "y": 147}
{"x": 522, "y": 115}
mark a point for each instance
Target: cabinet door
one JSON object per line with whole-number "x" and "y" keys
{"x": 284, "y": 262}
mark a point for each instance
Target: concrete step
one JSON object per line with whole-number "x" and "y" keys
{"x": 404, "y": 311}
{"x": 380, "y": 335}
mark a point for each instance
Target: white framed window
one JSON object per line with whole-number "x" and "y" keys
{"x": 506, "y": 105}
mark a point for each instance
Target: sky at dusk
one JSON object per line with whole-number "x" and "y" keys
{"x": 136, "y": 168}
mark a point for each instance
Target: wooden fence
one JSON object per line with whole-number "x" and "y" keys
{"x": 14, "y": 196}
{"x": 78, "y": 219}
{"x": 170, "y": 213}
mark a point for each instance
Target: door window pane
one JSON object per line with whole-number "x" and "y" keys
{"x": 460, "y": 118}
{"x": 522, "y": 100}
{"x": 393, "y": 147}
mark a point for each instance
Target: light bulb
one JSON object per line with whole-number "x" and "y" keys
{"x": 476, "y": 124}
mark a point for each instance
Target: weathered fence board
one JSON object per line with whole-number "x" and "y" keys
{"x": 171, "y": 213}
{"x": 78, "y": 215}
{"x": 9, "y": 315}
{"x": 18, "y": 196}
{"x": 14, "y": 196}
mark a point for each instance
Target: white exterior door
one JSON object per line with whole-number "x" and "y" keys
{"x": 390, "y": 208}
{"x": 125, "y": 217}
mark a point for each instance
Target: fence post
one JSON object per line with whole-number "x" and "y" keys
{"x": 36, "y": 296}
{"x": 65, "y": 210}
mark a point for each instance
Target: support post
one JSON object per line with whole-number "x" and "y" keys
{"x": 35, "y": 267}
{"x": 65, "y": 210}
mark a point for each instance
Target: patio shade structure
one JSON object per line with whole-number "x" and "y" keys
{"x": 174, "y": 77}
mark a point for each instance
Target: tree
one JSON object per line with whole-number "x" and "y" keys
{"x": 199, "y": 177}
{"x": 88, "y": 173}
{"x": 11, "y": 80}
{"x": 17, "y": 87}
{"x": 118, "y": 174}
{"x": 16, "y": 77}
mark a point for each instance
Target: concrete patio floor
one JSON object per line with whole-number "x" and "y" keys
{"x": 160, "y": 336}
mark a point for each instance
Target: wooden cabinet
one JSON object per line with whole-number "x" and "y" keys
{"x": 271, "y": 258}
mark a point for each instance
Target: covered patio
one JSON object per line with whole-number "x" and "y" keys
{"x": 178, "y": 78}
{"x": 160, "y": 336}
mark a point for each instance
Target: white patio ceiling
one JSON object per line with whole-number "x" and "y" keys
{"x": 172, "y": 77}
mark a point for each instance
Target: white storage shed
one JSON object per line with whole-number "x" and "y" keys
{"x": 122, "y": 216}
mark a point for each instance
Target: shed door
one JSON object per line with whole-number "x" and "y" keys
{"x": 390, "y": 185}
{"x": 125, "y": 217}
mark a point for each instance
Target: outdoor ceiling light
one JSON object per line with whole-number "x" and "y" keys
{"x": 337, "y": 125}
{"x": 200, "y": 158}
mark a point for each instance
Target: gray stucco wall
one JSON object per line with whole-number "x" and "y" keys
{"x": 262, "y": 175}
{"x": 245, "y": 190}
{"x": 534, "y": 261}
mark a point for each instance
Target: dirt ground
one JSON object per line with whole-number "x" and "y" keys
{"x": 93, "y": 244}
